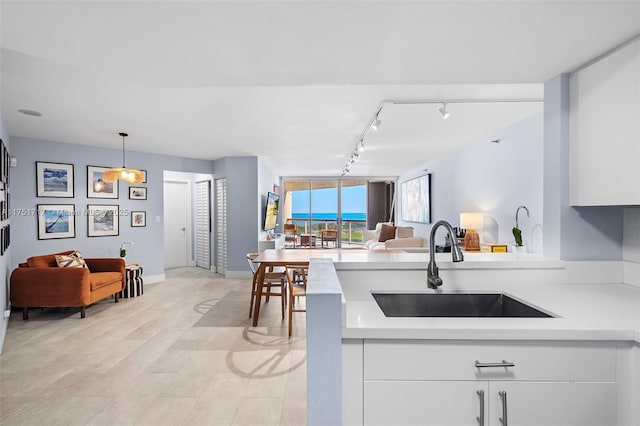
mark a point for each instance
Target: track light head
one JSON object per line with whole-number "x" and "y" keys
{"x": 376, "y": 124}
{"x": 443, "y": 111}
{"x": 361, "y": 147}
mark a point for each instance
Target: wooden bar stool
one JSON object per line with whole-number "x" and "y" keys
{"x": 272, "y": 280}
{"x": 297, "y": 279}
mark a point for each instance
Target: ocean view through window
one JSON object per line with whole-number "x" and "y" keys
{"x": 324, "y": 205}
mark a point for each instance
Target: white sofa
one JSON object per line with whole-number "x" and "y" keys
{"x": 404, "y": 239}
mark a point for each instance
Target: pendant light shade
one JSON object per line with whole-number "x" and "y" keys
{"x": 133, "y": 176}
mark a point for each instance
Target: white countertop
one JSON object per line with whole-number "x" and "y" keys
{"x": 385, "y": 260}
{"x": 595, "y": 311}
{"x": 581, "y": 312}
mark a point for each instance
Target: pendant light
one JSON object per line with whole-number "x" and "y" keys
{"x": 133, "y": 176}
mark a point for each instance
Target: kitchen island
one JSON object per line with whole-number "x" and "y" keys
{"x": 594, "y": 329}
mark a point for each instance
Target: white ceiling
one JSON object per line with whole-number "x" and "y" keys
{"x": 294, "y": 81}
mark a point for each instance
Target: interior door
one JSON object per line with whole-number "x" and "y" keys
{"x": 221, "y": 226}
{"x": 203, "y": 225}
{"x": 177, "y": 207}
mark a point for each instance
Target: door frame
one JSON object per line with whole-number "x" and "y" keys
{"x": 189, "y": 228}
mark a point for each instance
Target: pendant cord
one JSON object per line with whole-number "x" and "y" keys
{"x": 123, "y": 162}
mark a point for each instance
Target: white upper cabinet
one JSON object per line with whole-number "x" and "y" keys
{"x": 605, "y": 131}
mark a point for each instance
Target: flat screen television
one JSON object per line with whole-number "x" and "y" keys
{"x": 271, "y": 211}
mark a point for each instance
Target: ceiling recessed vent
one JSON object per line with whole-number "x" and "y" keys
{"x": 30, "y": 112}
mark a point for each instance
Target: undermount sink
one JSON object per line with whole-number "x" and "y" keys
{"x": 454, "y": 305}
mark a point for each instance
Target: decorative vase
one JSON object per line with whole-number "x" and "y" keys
{"x": 520, "y": 249}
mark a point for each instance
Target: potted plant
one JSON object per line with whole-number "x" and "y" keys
{"x": 517, "y": 233}
{"x": 123, "y": 250}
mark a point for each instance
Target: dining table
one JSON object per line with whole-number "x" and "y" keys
{"x": 272, "y": 258}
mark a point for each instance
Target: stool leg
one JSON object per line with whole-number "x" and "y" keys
{"x": 290, "y": 311}
{"x": 283, "y": 296}
{"x": 253, "y": 295}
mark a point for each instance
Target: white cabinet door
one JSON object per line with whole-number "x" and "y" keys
{"x": 605, "y": 130}
{"x": 439, "y": 403}
{"x": 553, "y": 404}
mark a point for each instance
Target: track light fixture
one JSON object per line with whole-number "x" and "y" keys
{"x": 376, "y": 124}
{"x": 443, "y": 111}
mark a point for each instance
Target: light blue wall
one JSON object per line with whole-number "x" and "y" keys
{"x": 149, "y": 240}
{"x": 266, "y": 179}
{"x": 492, "y": 178}
{"x": 571, "y": 233}
{"x": 5, "y": 260}
{"x": 241, "y": 174}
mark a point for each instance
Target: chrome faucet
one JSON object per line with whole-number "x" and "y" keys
{"x": 433, "y": 279}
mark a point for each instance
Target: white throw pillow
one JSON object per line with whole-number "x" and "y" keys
{"x": 73, "y": 260}
{"x": 404, "y": 231}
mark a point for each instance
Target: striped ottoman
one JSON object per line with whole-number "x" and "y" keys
{"x": 133, "y": 286}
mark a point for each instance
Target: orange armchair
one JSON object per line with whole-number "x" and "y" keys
{"x": 39, "y": 282}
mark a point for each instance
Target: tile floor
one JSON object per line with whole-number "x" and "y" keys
{"x": 181, "y": 354}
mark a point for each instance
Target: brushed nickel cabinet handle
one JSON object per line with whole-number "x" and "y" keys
{"x": 503, "y": 419}
{"x": 494, "y": 364}
{"x": 480, "y": 419}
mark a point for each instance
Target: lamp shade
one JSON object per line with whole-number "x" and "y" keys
{"x": 132, "y": 176}
{"x": 471, "y": 220}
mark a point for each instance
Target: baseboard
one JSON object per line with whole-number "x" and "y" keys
{"x": 150, "y": 279}
{"x": 238, "y": 274}
{"x": 631, "y": 273}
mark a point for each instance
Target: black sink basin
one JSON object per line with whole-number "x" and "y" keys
{"x": 454, "y": 305}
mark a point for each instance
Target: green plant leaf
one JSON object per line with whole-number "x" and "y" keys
{"x": 517, "y": 234}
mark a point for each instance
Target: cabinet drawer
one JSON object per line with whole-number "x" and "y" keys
{"x": 455, "y": 360}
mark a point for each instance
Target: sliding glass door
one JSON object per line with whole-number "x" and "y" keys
{"x": 353, "y": 214}
{"x": 319, "y": 205}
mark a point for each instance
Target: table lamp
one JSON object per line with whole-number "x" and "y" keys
{"x": 471, "y": 222}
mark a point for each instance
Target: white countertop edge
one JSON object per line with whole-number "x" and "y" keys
{"x": 486, "y": 334}
{"x": 377, "y": 260}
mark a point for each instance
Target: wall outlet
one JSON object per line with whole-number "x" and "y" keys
{"x": 7, "y": 313}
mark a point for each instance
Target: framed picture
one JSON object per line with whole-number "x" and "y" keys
{"x": 54, "y": 179}
{"x": 104, "y": 221}
{"x": 415, "y": 199}
{"x": 138, "y": 219}
{"x": 137, "y": 193}
{"x": 55, "y": 221}
{"x": 144, "y": 172}
{"x": 96, "y": 187}
{"x": 4, "y": 167}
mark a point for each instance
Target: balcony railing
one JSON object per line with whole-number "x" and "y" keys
{"x": 350, "y": 232}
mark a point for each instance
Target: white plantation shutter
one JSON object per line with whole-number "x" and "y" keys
{"x": 221, "y": 226}
{"x": 203, "y": 225}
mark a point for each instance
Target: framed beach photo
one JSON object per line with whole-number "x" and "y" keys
{"x": 98, "y": 188}
{"x": 103, "y": 221}
{"x": 55, "y": 221}
{"x": 54, "y": 179}
{"x": 138, "y": 219}
{"x": 137, "y": 193}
